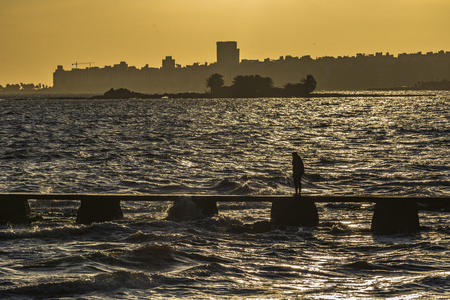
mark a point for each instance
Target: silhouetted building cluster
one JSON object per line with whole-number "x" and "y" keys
{"x": 342, "y": 73}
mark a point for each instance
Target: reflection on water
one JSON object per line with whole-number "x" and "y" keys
{"x": 385, "y": 146}
{"x": 390, "y": 145}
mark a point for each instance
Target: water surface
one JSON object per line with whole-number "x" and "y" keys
{"x": 351, "y": 146}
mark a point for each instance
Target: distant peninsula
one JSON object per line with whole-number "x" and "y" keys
{"x": 443, "y": 85}
{"x": 122, "y": 93}
{"x": 249, "y": 86}
{"x": 126, "y": 94}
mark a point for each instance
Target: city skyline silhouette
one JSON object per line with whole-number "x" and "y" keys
{"x": 378, "y": 71}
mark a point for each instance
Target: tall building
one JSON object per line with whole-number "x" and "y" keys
{"x": 168, "y": 63}
{"x": 227, "y": 54}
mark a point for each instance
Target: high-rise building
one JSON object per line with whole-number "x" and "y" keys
{"x": 227, "y": 54}
{"x": 168, "y": 63}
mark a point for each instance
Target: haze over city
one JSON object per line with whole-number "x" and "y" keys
{"x": 39, "y": 35}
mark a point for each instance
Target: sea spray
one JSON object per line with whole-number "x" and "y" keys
{"x": 184, "y": 209}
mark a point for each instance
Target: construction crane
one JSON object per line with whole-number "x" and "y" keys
{"x": 82, "y": 63}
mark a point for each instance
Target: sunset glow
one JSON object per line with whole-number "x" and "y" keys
{"x": 39, "y": 35}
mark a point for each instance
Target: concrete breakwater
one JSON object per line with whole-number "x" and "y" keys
{"x": 391, "y": 214}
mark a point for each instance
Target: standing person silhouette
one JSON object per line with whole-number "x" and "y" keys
{"x": 299, "y": 169}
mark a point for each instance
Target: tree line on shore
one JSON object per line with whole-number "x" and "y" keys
{"x": 257, "y": 86}
{"x": 24, "y": 88}
{"x": 243, "y": 86}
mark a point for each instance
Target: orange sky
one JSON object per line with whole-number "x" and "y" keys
{"x": 38, "y": 35}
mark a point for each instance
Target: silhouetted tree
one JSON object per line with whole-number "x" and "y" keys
{"x": 1, "y": 87}
{"x": 310, "y": 83}
{"x": 12, "y": 88}
{"x": 252, "y": 85}
{"x": 302, "y": 89}
{"x": 215, "y": 83}
{"x": 27, "y": 87}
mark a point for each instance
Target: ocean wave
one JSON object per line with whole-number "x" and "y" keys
{"x": 340, "y": 228}
{"x": 365, "y": 265}
{"x": 421, "y": 287}
{"x": 62, "y": 232}
{"x": 286, "y": 271}
{"x": 148, "y": 257}
{"x": 160, "y": 257}
{"x": 151, "y": 256}
{"x": 226, "y": 185}
{"x": 439, "y": 283}
{"x": 105, "y": 283}
{"x": 214, "y": 269}
{"x": 140, "y": 237}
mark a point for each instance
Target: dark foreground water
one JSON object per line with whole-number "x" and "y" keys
{"x": 351, "y": 146}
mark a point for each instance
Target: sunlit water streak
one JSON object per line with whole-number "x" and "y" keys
{"x": 351, "y": 146}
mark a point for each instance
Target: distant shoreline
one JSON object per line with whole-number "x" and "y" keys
{"x": 135, "y": 95}
{"x": 126, "y": 94}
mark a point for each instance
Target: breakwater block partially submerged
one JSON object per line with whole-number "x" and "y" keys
{"x": 395, "y": 217}
{"x": 99, "y": 210}
{"x": 207, "y": 206}
{"x": 190, "y": 208}
{"x": 294, "y": 212}
{"x": 14, "y": 211}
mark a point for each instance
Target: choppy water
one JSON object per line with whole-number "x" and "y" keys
{"x": 350, "y": 146}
